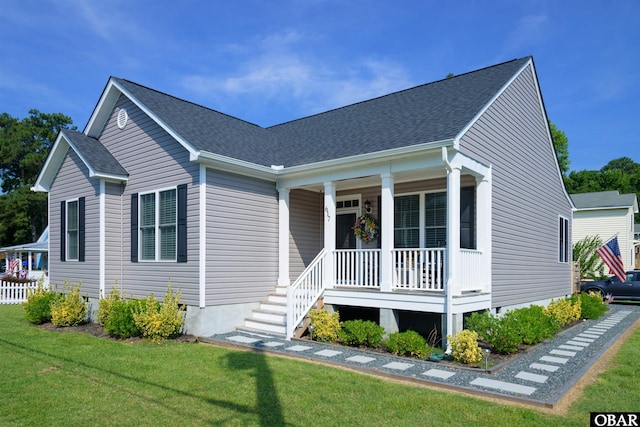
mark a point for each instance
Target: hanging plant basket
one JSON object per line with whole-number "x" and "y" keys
{"x": 366, "y": 228}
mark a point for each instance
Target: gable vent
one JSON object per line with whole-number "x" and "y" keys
{"x": 122, "y": 118}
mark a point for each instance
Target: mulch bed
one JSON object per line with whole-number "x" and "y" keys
{"x": 97, "y": 330}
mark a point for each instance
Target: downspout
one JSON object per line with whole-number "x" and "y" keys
{"x": 447, "y": 292}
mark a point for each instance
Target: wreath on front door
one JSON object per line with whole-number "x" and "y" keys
{"x": 366, "y": 228}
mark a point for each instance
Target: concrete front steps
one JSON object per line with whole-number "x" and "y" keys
{"x": 271, "y": 316}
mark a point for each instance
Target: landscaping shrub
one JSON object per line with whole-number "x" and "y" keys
{"x": 121, "y": 322}
{"x": 361, "y": 333}
{"x": 37, "y": 308}
{"x": 325, "y": 325}
{"x": 465, "y": 348}
{"x": 564, "y": 310}
{"x": 408, "y": 343}
{"x": 532, "y": 324}
{"x": 104, "y": 309}
{"x": 500, "y": 333}
{"x": 592, "y": 305}
{"x": 160, "y": 321}
{"x": 70, "y": 310}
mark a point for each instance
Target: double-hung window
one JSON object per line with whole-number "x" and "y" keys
{"x": 158, "y": 226}
{"x": 563, "y": 240}
{"x": 72, "y": 231}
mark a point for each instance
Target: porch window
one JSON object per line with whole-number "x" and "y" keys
{"x": 158, "y": 226}
{"x": 407, "y": 221}
{"x": 435, "y": 214}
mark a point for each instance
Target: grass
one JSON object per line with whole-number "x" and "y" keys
{"x": 65, "y": 379}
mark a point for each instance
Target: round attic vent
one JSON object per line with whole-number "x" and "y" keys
{"x": 122, "y": 118}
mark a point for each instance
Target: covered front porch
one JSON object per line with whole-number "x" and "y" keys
{"x": 433, "y": 250}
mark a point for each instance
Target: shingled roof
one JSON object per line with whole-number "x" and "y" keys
{"x": 97, "y": 157}
{"x": 604, "y": 199}
{"x": 428, "y": 113}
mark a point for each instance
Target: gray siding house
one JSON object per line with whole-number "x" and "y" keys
{"x": 253, "y": 225}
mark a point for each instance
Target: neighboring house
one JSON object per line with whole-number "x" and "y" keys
{"x": 460, "y": 174}
{"x": 33, "y": 257}
{"x": 636, "y": 243}
{"x": 606, "y": 214}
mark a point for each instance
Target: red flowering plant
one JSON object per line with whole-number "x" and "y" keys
{"x": 366, "y": 228}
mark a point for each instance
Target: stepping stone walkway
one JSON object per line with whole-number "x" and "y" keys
{"x": 544, "y": 367}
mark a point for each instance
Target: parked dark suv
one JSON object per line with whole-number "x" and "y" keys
{"x": 628, "y": 290}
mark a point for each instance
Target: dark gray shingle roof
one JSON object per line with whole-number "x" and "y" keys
{"x": 603, "y": 199}
{"x": 207, "y": 129}
{"x": 92, "y": 151}
{"x": 428, "y": 113}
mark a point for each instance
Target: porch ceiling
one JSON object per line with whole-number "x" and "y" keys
{"x": 375, "y": 180}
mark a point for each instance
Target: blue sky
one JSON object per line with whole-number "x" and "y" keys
{"x": 272, "y": 61}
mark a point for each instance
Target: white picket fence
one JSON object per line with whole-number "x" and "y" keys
{"x": 14, "y": 291}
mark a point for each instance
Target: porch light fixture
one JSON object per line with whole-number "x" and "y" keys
{"x": 367, "y": 206}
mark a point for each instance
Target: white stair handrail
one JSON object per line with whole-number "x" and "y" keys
{"x": 304, "y": 292}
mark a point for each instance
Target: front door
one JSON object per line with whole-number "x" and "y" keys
{"x": 345, "y": 239}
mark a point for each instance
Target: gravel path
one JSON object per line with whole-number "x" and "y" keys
{"x": 541, "y": 376}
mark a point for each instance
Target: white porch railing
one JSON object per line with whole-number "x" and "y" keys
{"x": 472, "y": 275}
{"x": 14, "y": 291}
{"x": 419, "y": 269}
{"x": 304, "y": 292}
{"x": 357, "y": 267}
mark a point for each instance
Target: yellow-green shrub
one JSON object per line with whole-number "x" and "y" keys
{"x": 160, "y": 321}
{"x": 106, "y": 304}
{"x": 71, "y": 310}
{"x": 325, "y": 325}
{"x": 564, "y": 310}
{"x": 465, "y": 348}
{"x": 37, "y": 308}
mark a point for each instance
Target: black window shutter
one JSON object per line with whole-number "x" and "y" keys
{"x": 134, "y": 227}
{"x": 467, "y": 218}
{"x": 182, "y": 223}
{"x": 81, "y": 229}
{"x": 63, "y": 230}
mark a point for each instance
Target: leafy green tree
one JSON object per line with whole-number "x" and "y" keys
{"x": 561, "y": 144}
{"x": 24, "y": 146}
{"x": 584, "y": 252}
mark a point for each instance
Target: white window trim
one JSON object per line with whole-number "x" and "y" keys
{"x": 157, "y": 226}
{"x": 66, "y": 230}
{"x": 422, "y": 220}
{"x": 567, "y": 237}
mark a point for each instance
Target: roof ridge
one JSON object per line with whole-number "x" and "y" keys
{"x": 186, "y": 101}
{"x": 400, "y": 91}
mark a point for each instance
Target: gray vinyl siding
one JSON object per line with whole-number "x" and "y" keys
{"x": 154, "y": 161}
{"x": 527, "y": 196}
{"x": 306, "y": 229}
{"x": 73, "y": 182}
{"x": 115, "y": 230}
{"x": 242, "y": 238}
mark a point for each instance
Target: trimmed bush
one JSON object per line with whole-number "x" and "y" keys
{"x": 104, "y": 309}
{"x": 325, "y": 325}
{"x": 592, "y": 305}
{"x": 71, "y": 310}
{"x": 37, "y": 308}
{"x": 408, "y": 343}
{"x": 500, "y": 333}
{"x": 361, "y": 333}
{"x": 121, "y": 322}
{"x": 160, "y": 321}
{"x": 532, "y": 324}
{"x": 465, "y": 348}
{"x": 564, "y": 310}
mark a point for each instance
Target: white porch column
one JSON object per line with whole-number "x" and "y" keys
{"x": 329, "y": 231}
{"x": 283, "y": 237}
{"x": 452, "y": 257}
{"x": 386, "y": 232}
{"x": 483, "y": 228}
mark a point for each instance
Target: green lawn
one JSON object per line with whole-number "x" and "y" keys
{"x": 52, "y": 378}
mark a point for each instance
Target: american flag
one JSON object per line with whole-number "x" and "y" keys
{"x": 610, "y": 254}
{"x": 13, "y": 265}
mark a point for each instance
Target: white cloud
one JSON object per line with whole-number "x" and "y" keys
{"x": 530, "y": 30}
{"x": 278, "y": 69}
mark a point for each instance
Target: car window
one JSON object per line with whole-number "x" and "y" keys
{"x": 630, "y": 276}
